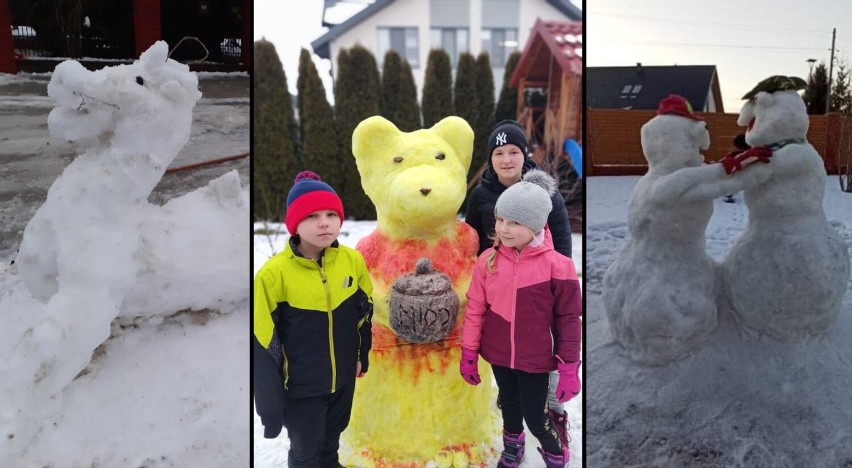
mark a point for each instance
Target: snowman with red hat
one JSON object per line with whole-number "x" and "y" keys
{"x": 787, "y": 274}
{"x": 660, "y": 293}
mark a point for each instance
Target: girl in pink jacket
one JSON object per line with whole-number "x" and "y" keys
{"x": 523, "y": 316}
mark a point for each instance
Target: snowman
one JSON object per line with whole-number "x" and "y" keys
{"x": 786, "y": 275}
{"x": 660, "y": 293}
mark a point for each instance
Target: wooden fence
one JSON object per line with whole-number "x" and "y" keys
{"x": 613, "y": 145}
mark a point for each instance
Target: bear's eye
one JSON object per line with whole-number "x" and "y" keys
{"x": 140, "y": 81}
{"x": 440, "y": 157}
{"x": 397, "y": 159}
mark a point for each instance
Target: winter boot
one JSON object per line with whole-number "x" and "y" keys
{"x": 560, "y": 423}
{"x": 555, "y": 461}
{"x": 513, "y": 452}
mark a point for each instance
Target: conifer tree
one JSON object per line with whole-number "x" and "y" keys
{"x": 316, "y": 118}
{"x": 841, "y": 95}
{"x": 409, "y": 112}
{"x": 437, "y": 101}
{"x": 391, "y": 73}
{"x": 273, "y": 150}
{"x": 817, "y": 91}
{"x": 507, "y": 103}
{"x": 357, "y": 97}
{"x": 465, "y": 89}
{"x": 399, "y": 93}
{"x": 485, "y": 111}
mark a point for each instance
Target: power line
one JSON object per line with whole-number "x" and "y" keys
{"x": 812, "y": 32}
{"x": 729, "y": 46}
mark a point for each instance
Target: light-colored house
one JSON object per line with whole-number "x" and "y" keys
{"x": 414, "y": 27}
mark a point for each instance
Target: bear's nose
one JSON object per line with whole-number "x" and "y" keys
{"x": 425, "y": 191}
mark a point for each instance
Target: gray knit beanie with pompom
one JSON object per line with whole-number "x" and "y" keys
{"x": 529, "y": 201}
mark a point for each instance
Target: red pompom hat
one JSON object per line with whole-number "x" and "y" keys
{"x": 310, "y": 194}
{"x": 676, "y": 105}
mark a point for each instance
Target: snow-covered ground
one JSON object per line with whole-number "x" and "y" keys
{"x": 273, "y": 453}
{"x": 166, "y": 388}
{"x": 738, "y": 401}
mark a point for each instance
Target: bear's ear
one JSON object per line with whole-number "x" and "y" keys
{"x": 373, "y": 137}
{"x": 456, "y": 131}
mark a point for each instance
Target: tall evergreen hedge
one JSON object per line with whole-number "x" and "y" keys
{"x": 399, "y": 94}
{"x": 273, "y": 150}
{"x": 484, "y": 113}
{"x": 507, "y": 103}
{"x": 409, "y": 110}
{"x": 316, "y": 118}
{"x": 465, "y": 92}
{"x": 437, "y": 101}
{"x": 357, "y": 97}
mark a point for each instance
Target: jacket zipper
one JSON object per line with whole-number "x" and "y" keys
{"x": 514, "y": 310}
{"x": 286, "y": 369}
{"x": 330, "y": 326}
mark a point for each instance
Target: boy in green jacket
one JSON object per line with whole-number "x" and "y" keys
{"x": 312, "y": 330}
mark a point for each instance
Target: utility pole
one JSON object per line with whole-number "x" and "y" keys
{"x": 830, "y": 69}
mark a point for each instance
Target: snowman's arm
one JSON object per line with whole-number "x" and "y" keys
{"x": 707, "y": 182}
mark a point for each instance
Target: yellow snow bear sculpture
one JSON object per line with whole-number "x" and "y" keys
{"x": 413, "y": 407}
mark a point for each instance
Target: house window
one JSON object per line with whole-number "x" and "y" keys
{"x": 453, "y": 40}
{"x": 630, "y": 91}
{"x": 403, "y": 41}
{"x": 499, "y": 43}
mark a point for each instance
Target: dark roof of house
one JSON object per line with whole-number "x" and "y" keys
{"x": 322, "y": 43}
{"x": 564, "y": 41}
{"x": 606, "y": 87}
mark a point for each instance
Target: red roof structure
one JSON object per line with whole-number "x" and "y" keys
{"x": 564, "y": 41}
{"x": 549, "y": 79}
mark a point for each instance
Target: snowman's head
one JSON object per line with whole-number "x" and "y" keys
{"x": 152, "y": 93}
{"x": 770, "y": 117}
{"x": 671, "y": 142}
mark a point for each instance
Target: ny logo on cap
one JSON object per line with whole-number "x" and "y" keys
{"x": 501, "y": 138}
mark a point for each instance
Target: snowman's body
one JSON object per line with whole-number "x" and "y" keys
{"x": 786, "y": 275}
{"x": 660, "y": 293}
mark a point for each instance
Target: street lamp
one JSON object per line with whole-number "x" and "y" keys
{"x": 811, "y": 64}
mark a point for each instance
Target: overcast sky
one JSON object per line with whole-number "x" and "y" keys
{"x": 292, "y": 25}
{"x": 747, "y": 40}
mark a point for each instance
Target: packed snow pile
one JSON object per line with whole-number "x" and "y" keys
{"x": 97, "y": 250}
{"x": 739, "y": 400}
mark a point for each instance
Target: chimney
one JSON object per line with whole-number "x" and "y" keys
{"x": 638, "y": 68}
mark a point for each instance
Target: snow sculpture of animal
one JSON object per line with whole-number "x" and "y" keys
{"x": 788, "y": 272}
{"x": 417, "y": 181}
{"x": 78, "y": 251}
{"x": 138, "y": 117}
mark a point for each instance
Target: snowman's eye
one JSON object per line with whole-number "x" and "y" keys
{"x": 140, "y": 81}
{"x": 397, "y": 159}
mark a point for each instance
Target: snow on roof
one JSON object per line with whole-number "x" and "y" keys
{"x": 564, "y": 41}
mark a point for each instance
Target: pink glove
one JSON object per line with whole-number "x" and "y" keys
{"x": 569, "y": 380}
{"x": 468, "y": 366}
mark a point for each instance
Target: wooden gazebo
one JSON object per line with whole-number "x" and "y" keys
{"x": 549, "y": 80}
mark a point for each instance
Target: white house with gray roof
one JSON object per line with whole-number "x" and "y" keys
{"x": 414, "y": 27}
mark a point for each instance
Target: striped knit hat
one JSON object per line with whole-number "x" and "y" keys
{"x": 309, "y": 194}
